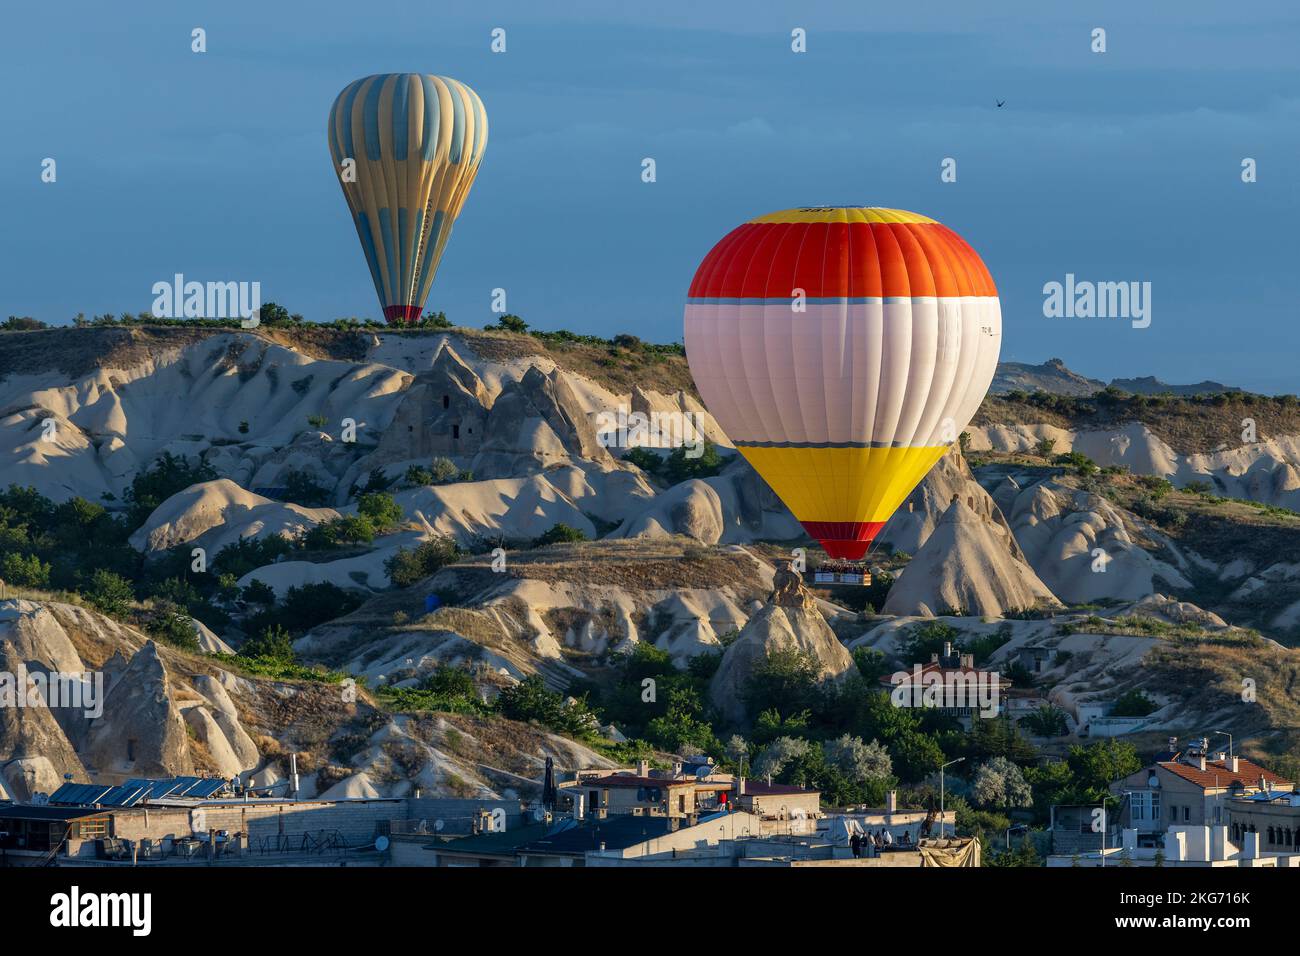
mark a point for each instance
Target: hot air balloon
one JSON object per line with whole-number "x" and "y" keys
{"x": 842, "y": 350}
{"x": 415, "y": 143}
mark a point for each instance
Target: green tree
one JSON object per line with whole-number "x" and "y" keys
{"x": 409, "y": 566}
{"x": 680, "y": 466}
{"x": 110, "y": 593}
{"x": 559, "y": 533}
{"x": 786, "y": 681}
{"x": 1133, "y": 703}
{"x": 1098, "y": 765}
{"x": 164, "y": 478}
{"x": 25, "y": 570}
{"x": 1000, "y": 783}
{"x": 273, "y": 643}
{"x": 384, "y": 513}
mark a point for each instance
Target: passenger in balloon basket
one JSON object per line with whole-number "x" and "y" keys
{"x": 842, "y": 571}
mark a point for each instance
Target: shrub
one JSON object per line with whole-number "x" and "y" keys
{"x": 164, "y": 478}
{"x": 410, "y": 566}
{"x": 258, "y": 592}
{"x": 172, "y": 624}
{"x": 301, "y": 488}
{"x": 110, "y": 593}
{"x": 1083, "y": 466}
{"x": 311, "y": 604}
{"x": 559, "y": 533}
{"x": 272, "y": 644}
{"x": 679, "y": 467}
{"x": 529, "y": 700}
{"x": 645, "y": 459}
{"x": 786, "y": 681}
{"x": 352, "y": 529}
{"x": 381, "y": 510}
{"x": 1046, "y": 721}
{"x": 510, "y": 323}
{"x": 248, "y": 554}
{"x": 25, "y": 570}
{"x": 1133, "y": 703}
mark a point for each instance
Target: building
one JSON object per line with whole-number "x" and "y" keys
{"x": 1195, "y": 847}
{"x": 723, "y": 838}
{"x": 952, "y": 684}
{"x": 1075, "y": 828}
{"x": 685, "y": 791}
{"x": 190, "y": 818}
{"x": 1193, "y": 787}
{"x": 1274, "y": 815}
{"x": 1035, "y": 658}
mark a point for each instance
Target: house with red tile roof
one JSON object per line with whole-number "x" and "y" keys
{"x": 1193, "y": 786}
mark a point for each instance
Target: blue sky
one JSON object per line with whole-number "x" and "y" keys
{"x": 1118, "y": 166}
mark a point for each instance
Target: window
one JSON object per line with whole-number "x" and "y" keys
{"x": 1145, "y": 806}
{"x": 446, "y": 401}
{"x": 1187, "y": 813}
{"x": 93, "y": 828}
{"x": 455, "y": 431}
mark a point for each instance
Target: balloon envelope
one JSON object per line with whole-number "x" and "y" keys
{"x": 842, "y": 350}
{"x": 415, "y": 143}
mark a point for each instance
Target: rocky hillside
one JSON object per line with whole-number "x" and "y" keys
{"x": 165, "y": 712}
{"x": 403, "y": 505}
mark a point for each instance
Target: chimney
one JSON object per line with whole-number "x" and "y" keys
{"x": 740, "y": 787}
{"x": 293, "y": 775}
{"x": 891, "y": 805}
{"x": 1263, "y": 784}
{"x": 947, "y": 649}
{"x": 578, "y": 802}
{"x": 1173, "y": 745}
{"x": 1200, "y": 761}
{"x": 643, "y": 768}
{"x": 677, "y": 769}
{"x": 968, "y": 660}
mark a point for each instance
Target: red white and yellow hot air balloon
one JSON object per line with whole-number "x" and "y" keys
{"x": 842, "y": 350}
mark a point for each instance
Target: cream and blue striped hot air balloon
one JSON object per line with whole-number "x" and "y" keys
{"x": 415, "y": 142}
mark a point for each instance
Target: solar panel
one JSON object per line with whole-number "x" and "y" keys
{"x": 163, "y": 788}
{"x": 206, "y": 788}
{"x": 135, "y": 790}
{"x": 79, "y": 793}
{"x": 126, "y": 795}
{"x": 185, "y": 785}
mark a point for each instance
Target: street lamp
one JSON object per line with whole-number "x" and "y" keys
{"x": 941, "y": 770}
{"x": 1224, "y": 733}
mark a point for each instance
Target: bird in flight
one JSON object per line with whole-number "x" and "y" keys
{"x": 1000, "y": 102}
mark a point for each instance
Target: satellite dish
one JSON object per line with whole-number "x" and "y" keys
{"x": 438, "y": 825}
{"x": 1153, "y": 781}
{"x": 702, "y": 772}
{"x": 381, "y": 843}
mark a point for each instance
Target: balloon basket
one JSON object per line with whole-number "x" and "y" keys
{"x": 842, "y": 572}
